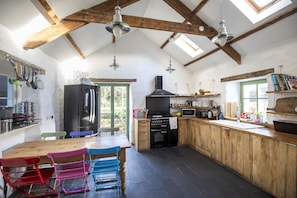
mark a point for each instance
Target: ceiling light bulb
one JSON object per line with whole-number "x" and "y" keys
{"x": 117, "y": 31}
{"x": 222, "y": 40}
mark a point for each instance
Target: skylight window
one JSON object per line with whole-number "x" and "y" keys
{"x": 257, "y": 10}
{"x": 188, "y": 46}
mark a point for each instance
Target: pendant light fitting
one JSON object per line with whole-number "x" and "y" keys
{"x": 117, "y": 27}
{"x": 114, "y": 64}
{"x": 169, "y": 68}
{"x": 223, "y": 36}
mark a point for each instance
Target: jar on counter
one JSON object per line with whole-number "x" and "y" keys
{"x": 6, "y": 125}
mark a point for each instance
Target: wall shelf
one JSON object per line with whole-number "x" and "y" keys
{"x": 281, "y": 113}
{"x": 283, "y": 91}
{"x": 196, "y": 96}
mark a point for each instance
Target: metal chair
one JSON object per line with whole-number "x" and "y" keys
{"x": 105, "y": 170}
{"x": 56, "y": 135}
{"x": 101, "y": 131}
{"x": 66, "y": 172}
{"x": 25, "y": 176}
{"x": 75, "y": 134}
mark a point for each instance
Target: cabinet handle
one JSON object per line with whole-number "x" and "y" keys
{"x": 225, "y": 128}
{"x": 287, "y": 143}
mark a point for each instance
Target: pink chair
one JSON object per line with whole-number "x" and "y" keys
{"x": 76, "y": 167}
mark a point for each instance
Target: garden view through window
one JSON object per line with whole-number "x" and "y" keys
{"x": 254, "y": 99}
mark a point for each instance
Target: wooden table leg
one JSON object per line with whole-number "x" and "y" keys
{"x": 122, "y": 156}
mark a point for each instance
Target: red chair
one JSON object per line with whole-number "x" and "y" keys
{"x": 75, "y": 167}
{"x": 24, "y": 176}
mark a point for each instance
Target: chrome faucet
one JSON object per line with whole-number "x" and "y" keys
{"x": 238, "y": 113}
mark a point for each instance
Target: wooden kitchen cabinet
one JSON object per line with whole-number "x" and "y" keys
{"x": 182, "y": 132}
{"x": 142, "y": 134}
{"x": 236, "y": 151}
{"x": 286, "y": 170}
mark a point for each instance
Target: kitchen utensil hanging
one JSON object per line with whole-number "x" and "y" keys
{"x": 21, "y": 73}
{"x": 39, "y": 82}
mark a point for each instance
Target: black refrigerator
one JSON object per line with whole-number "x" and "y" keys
{"x": 80, "y": 108}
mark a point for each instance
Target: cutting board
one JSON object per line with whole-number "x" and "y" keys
{"x": 285, "y": 105}
{"x": 230, "y": 109}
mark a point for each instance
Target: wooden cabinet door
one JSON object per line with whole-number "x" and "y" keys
{"x": 215, "y": 144}
{"x": 182, "y": 131}
{"x": 265, "y": 160}
{"x": 203, "y": 138}
{"x": 192, "y": 124}
{"x": 236, "y": 151}
{"x": 286, "y": 170}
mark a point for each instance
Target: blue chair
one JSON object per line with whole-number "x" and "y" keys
{"x": 105, "y": 170}
{"x": 75, "y": 134}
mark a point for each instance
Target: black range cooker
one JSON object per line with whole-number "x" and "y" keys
{"x": 160, "y": 133}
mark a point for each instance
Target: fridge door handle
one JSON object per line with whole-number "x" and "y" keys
{"x": 92, "y": 107}
{"x": 86, "y": 101}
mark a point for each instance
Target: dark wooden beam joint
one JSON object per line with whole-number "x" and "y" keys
{"x": 248, "y": 75}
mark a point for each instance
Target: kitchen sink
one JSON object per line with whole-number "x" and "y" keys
{"x": 241, "y": 125}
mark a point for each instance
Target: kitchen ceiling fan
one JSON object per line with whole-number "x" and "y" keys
{"x": 117, "y": 27}
{"x": 223, "y": 36}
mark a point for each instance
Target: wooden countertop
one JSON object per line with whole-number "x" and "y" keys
{"x": 263, "y": 131}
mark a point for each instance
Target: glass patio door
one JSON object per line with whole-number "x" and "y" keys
{"x": 114, "y": 107}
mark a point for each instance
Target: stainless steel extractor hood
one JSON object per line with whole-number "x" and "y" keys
{"x": 159, "y": 91}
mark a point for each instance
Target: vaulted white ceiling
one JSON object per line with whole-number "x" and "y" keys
{"x": 16, "y": 14}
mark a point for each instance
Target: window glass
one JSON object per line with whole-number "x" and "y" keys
{"x": 254, "y": 99}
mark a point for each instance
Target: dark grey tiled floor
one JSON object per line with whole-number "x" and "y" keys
{"x": 178, "y": 172}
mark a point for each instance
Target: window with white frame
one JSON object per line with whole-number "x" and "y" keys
{"x": 188, "y": 46}
{"x": 257, "y": 10}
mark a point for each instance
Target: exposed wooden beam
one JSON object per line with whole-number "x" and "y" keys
{"x": 270, "y": 22}
{"x": 201, "y": 57}
{"x": 248, "y": 75}
{"x": 140, "y": 22}
{"x": 201, "y": 4}
{"x": 53, "y": 17}
{"x": 113, "y": 80}
{"x": 49, "y": 34}
{"x": 54, "y": 32}
{"x": 194, "y": 19}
